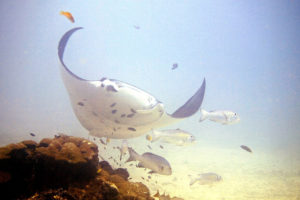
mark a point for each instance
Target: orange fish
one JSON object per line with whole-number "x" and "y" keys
{"x": 68, "y": 15}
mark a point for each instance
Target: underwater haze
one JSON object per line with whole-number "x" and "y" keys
{"x": 248, "y": 52}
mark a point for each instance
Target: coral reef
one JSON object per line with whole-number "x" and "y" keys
{"x": 63, "y": 168}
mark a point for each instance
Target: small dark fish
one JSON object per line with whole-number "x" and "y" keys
{"x": 112, "y": 105}
{"x": 32, "y": 134}
{"x": 136, "y": 27}
{"x": 149, "y": 147}
{"x": 102, "y": 142}
{"x": 161, "y": 146}
{"x": 113, "y": 111}
{"x": 94, "y": 139}
{"x": 80, "y": 104}
{"x": 246, "y": 148}
{"x": 174, "y": 66}
{"x": 131, "y": 129}
{"x": 95, "y": 114}
{"x": 149, "y": 177}
{"x": 130, "y": 115}
{"x": 143, "y": 178}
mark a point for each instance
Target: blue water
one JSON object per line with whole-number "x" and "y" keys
{"x": 248, "y": 51}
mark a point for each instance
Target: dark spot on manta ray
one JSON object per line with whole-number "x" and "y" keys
{"x": 111, "y": 88}
{"x": 132, "y": 110}
{"x": 80, "y": 104}
{"x": 123, "y": 115}
{"x": 131, "y": 129}
{"x": 112, "y": 105}
{"x": 103, "y": 79}
{"x": 114, "y": 111}
{"x": 130, "y": 115}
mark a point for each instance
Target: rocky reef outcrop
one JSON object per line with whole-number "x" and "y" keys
{"x": 63, "y": 168}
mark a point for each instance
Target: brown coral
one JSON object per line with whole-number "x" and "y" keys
{"x": 63, "y": 168}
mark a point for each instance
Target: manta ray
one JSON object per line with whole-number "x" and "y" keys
{"x": 114, "y": 109}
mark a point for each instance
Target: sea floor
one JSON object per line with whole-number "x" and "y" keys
{"x": 265, "y": 174}
{"x": 260, "y": 175}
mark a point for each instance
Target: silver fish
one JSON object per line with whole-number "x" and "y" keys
{"x": 156, "y": 163}
{"x": 173, "y": 136}
{"x": 220, "y": 116}
{"x": 123, "y": 149}
{"x": 206, "y": 178}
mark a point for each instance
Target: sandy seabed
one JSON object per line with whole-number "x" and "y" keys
{"x": 259, "y": 175}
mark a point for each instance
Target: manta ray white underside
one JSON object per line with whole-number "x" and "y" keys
{"x": 114, "y": 109}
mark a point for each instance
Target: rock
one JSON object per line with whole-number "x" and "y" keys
{"x": 4, "y": 176}
{"x": 30, "y": 144}
{"x": 45, "y": 142}
{"x": 63, "y": 168}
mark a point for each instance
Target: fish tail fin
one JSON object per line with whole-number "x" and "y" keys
{"x": 124, "y": 146}
{"x": 204, "y": 115}
{"x": 61, "y": 12}
{"x": 132, "y": 155}
{"x": 193, "y": 181}
{"x": 155, "y": 135}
